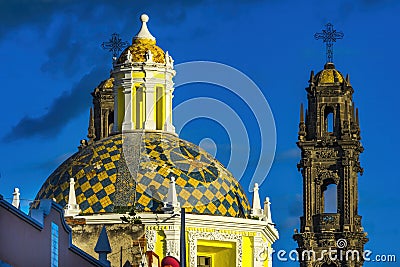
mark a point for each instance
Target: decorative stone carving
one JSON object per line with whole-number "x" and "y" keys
{"x": 323, "y": 174}
{"x": 151, "y": 238}
{"x": 325, "y": 154}
{"x": 261, "y": 251}
{"x": 173, "y": 248}
{"x": 357, "y": 168}
{"x": 307, "y": 154}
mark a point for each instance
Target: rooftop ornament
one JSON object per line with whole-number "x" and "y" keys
{"x": 114, "y": 45}
{"x": 329, "y": 36}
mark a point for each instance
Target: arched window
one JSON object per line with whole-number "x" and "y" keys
{"x": 330, "y": 198}
{"x": 110, "y": 122}
{"x": 328, "y": 123}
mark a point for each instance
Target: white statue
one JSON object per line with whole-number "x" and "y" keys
{"x": 149, "y": 56}
{"x": 129, "y": 56}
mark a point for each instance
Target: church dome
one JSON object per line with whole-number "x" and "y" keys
{"x": 329, "y": 75}
{"x": 134, "y": 170}
{"x": 143, "y": 42}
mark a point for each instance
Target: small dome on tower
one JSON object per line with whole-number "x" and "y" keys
{"x": 329, "y": 75}
{"x": 143, "y": 46}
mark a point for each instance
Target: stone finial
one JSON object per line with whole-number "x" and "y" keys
{"x": 167, "y": 61}
{"x": 172, "y": 205}
{"x": 16, "y": 200}
{"x": 312, "y": 78}
{"x": 256, "y": 210}
{"x": 348, "y": 79}
{"x": 302, "y": 125}
{"x": 72, "y": 209}
{"x": 103, "y": 247}
{"x": 267, "y": 210}
{"x": 144, "y": 32}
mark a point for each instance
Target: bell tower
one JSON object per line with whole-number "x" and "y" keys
{"x": 330, "y": 233}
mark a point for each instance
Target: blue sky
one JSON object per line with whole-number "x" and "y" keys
{"x": 52, "y": 59}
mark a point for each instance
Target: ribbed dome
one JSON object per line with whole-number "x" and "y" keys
{"x": 134, "y": 169}
{"x": 329, "y": 75}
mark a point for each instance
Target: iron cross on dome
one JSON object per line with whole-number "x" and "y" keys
{"x": 329, "y": 36}
{"x": 115, "y": 45}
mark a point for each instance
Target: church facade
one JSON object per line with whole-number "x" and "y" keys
{"x": 156, "y": 194}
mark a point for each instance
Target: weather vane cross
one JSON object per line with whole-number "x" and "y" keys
{"x": 114, "y": 45}
{"x": 329, "y": 36}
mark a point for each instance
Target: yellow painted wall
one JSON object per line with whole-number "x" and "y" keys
{"x": 137, "y": 75}
{"x": 160, "y": 244}
{"x": 159, "y": 76}
{"x": 248, "y": 251}
{"x": 222, "y": 253}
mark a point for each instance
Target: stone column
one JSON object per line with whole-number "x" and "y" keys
{"x": 150, "y": 123}
{"x": 168, "y": 111}
{"x": 127, "y": 124}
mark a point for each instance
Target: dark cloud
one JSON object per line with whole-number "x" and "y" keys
{"x": 63, "y": 109}
{"x": 66, "y": 52}
{"x": 17, "y": 13}
{"x": 71, "y": 32}
{"x": 31, "y": 12}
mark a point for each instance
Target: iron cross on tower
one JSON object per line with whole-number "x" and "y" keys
{"x": 329, "y": 36}
{"x": 114, "y": 45}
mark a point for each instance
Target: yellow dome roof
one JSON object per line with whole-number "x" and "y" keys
{"x": 143, "y": 42}
{"x": 329, "y": 75}
{"x": 134, "y": 170}
{"x": 138, "y": 50}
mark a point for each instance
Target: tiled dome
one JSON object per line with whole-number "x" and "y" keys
{"x": 134, "y": 169}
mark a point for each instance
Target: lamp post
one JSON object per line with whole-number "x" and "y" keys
{"x": 183, "y": 238}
